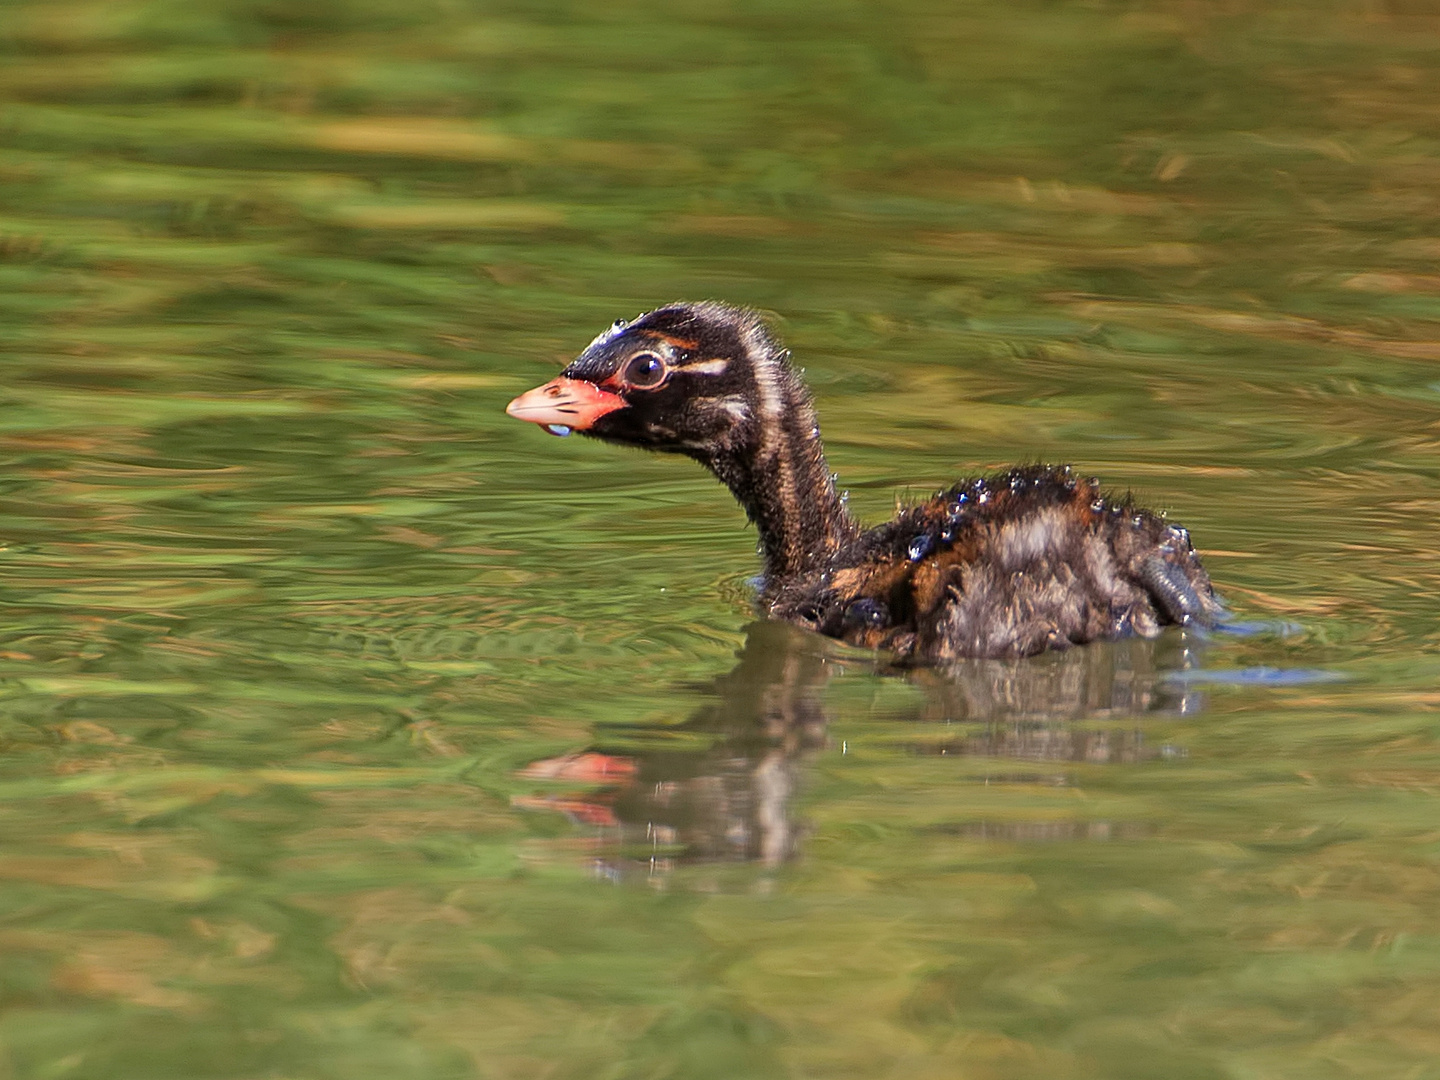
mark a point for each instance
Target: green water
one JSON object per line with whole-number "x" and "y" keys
{"x": 298, "y": 627}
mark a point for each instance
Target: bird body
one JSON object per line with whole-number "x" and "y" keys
{"x": 1004, "y": 566}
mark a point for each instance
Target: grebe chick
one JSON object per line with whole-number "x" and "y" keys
{"x": 1004, "y": 566}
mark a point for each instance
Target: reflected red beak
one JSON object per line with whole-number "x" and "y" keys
{"x": 565, "y": 403}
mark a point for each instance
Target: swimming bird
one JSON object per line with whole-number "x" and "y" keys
{"x": 1008, "y": 565}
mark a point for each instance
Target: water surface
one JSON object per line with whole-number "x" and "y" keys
{"x": 351, "y": 729}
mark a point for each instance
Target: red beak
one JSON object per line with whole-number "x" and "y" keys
{"x": 565, "y": 403}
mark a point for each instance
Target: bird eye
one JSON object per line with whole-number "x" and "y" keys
{"x": 645, "y": 371}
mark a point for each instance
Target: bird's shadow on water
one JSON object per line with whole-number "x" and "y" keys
{"x": 735, "y": 800}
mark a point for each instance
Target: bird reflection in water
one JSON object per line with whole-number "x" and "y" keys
{"x": 735, "y": 800}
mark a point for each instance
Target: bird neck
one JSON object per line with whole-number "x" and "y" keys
{"x": 779, "y": 476}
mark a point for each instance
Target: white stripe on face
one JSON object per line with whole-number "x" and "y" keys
{"x": 704, "y": 367}
{"x": 736, "y": 406}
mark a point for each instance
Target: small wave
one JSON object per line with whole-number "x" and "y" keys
{"x": 1255, "y": 676}
{"x": 1260, "y": 628}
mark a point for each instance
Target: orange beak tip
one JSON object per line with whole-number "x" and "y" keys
{"x": 564, "y": 405}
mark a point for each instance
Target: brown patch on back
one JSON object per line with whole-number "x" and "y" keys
{"x": 876, "y": 579}
{"x": 927, "y": 585}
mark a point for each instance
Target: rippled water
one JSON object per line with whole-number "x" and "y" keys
{"x": 351, "y": 729}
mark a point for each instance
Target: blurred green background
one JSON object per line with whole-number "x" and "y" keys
{"x": 351, "y": 729}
